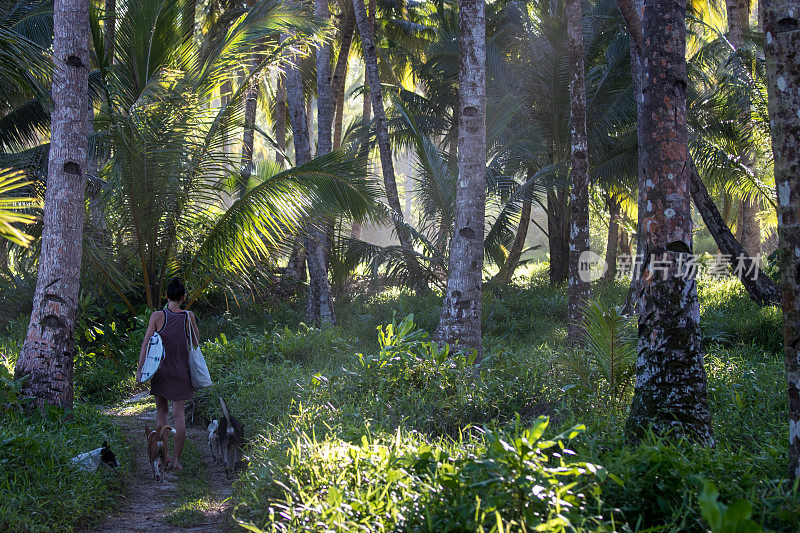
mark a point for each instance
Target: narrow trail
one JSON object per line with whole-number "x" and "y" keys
{"x": 195, "y": 499}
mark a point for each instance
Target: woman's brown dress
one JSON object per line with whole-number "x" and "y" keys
{"x": 172, "y": 380}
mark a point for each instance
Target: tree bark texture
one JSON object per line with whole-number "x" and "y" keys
{"x": 110, "y": 27}
{"x": 248, "y": 135}
{"x": 748, "y": 226}
{"x": 381, "y": 125}
{"x": 782, "y": 53}
{"x": 338, "y": 82}
{"x": 47, "y": 354}
{"x": 461, "y": 308}
{"x": 558, "y": 235}
{"x": 319, "y": 308}
{"x": 614, "y": 215}
{"x": 670, "y": 390}
{"x": 579, "y": 290}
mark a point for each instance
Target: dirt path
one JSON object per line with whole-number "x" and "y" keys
{"x": 192, "y": 500}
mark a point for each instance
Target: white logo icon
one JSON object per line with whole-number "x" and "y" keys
{"x": 591, "y": 266}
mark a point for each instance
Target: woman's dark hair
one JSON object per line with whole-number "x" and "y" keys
{"x": 175, "y": 289}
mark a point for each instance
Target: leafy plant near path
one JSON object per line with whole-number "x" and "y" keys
{"x": 607, "y": 361}
{"x": 514, "y": 480}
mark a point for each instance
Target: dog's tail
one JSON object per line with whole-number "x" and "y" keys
{"x": 227, "y": 416}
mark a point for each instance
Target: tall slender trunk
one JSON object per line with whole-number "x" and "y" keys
{"x": 280, "y": 118}
{"x": 558, "y": 235}
{"x": 670, "y": 391}
{"x": 250, "y": 109}
{"x": 625, "y": 245}
{"x": 366, "y": 118}
{"x": 295, "y": 105}
{"x": 613, "y": 236}
{"x": 248, "y": 137}
{"x": 782, "y": 52}
{"x": 461, "y": 307}
{"x": 579, "y": 288}
{"x": 506, "y": 272}
{"x": 366, "y": 103}
{"x": 338, "y": 82}
{"x": 47, "y": 354}
{"x": 295, "y": 271}
{"x": 110, "y": 27}
{"x": 381, "y": 125}
{"x": 310, "y": 118}
{"x": 319, "y": 305}
{"x": 748, "y": 226}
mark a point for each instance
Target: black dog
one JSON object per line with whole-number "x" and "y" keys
{"x": 91, "y": 461}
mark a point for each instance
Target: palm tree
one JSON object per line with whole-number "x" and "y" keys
{"x": 783, "y": 75}
{"x": 579, "y": 170}
{"x": 171, "y": 182}
{"x": 460, "y": 319}
{"x": 46, "y": 359}
{"x": 748, "y": 227}
{"x": 381, "y": 128}
{"x": 670, "y": 391}
{"x": 319, "y": 305}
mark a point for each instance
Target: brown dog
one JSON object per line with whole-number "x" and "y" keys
{"x": 158, "y": 448}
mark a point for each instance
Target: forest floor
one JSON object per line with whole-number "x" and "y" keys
{"x": 196, "y": 499}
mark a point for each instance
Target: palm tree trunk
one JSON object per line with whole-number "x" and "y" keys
{"x": 280, "y": 118}
{"x": 310, "y": 117}
{"x": 579, "y": 288}
{"x": 248, "y": 136}
{"x": 381, "y": 125}
{"x": 506, "y": 272}
{"x": 558, "y": 235}
{"x": 110, "y": 27}
{"x": 461, "y": 307}
{"x": 319, "y": 305}
{"x": 339, "y": 79}
{"x": 760, "y": 287}
{"x": 613, "y": 237}
{"x": 670, "y": 391}
{"x": 47, "y": 354}
{"x": 748, "y": 227}
{"x": 625, "y": 245}
{"x": 782, "y": 38}
{"x": 631, "y": 11}
{"x": 295, "y": 271}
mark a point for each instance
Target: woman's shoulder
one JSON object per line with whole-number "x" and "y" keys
{"x": 157, "y": 317}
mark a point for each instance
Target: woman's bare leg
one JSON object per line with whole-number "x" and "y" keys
{"x": 162, "y": 411}
{"x": 179, "y": 423}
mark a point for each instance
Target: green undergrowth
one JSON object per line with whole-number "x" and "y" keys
{"x": 39, "y": 489}
{"x": 356, "y": 427}
{"x": 369, "y": 426}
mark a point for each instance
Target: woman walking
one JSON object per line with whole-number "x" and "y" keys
{"x": 172, "y": 382}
